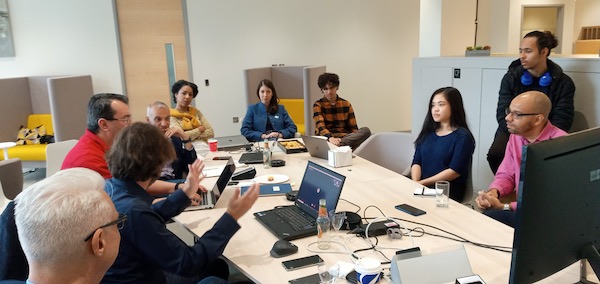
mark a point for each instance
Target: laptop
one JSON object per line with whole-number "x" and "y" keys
{"x": 232, "y": 142}
{"x": 317, "y": 146}
{"x": 255, "y": 157}
{"x": 209, "y": 198}
{"x": 298, "y": 220}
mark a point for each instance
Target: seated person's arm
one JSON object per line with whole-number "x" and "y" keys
{"x": 415, "y": 172}
{"x": 447, "y": 174}
{"x": 161, "y": 188}
{"x": 489, "y": 199}
{"x": 208, "y": 131}
{"x": 352, "y": 124}
{"x": 194, "y": 134}
{"x": 248, "y": 127}
{"x": 319, "y": 121}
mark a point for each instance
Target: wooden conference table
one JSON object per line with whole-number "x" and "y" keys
{"x": 366, "y": 184}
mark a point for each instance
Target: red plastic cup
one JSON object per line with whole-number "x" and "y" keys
{"x": 212, "y": 145}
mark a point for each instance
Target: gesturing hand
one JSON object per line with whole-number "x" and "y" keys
{"x": 193, "y": 179}
{"x": 240, "y": 204}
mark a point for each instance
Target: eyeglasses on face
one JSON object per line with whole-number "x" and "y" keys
{"x": 119, "y": 222}
{"x": 507, "y": 111}
{"x": 126, "y": 119}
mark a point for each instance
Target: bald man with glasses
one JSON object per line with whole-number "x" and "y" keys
{"x": 527, "y": 121}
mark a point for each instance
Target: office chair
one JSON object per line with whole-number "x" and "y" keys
{"x": 55, "y": 155}
{"x": 391, "y": 150}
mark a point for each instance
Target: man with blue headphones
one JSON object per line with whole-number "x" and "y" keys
{"x": 533, "y": 71}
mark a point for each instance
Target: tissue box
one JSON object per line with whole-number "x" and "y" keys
{"x": 340, "y": 157}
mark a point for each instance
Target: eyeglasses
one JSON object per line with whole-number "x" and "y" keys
{"x": 119, "y": 222}
{"x": 517, "y": 114}
{"x": 125, "y": 120}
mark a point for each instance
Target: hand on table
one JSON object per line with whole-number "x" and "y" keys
{"x": 487, "y": 200}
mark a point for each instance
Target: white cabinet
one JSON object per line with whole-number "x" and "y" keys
{"x": 478, "y": 80}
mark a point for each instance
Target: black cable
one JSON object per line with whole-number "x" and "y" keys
{"x": 458, "y": 238}
{"x": 358, "y": 210}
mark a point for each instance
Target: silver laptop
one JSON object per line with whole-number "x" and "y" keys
{"x": 231, "y": 142}
{"x": 317, "y": 146}
{"x": 209, "y": 199}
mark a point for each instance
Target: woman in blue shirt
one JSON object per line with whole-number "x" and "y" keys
{"x": 445, "y": 146}
{"x": 267, "y": 119}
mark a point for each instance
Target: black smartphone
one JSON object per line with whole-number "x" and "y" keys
{"x": 301, "y": 262}
{"x": 409, "y": 209}
{"x": 310, "y": 279}
{"x": 222, "y": 158}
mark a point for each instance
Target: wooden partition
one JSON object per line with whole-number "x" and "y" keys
{"x": 291, "y": 82}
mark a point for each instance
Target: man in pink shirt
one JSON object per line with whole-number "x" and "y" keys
{"x": 527, "y": 122}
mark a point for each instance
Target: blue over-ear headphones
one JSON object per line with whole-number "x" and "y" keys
{"x": 545, "y": 80}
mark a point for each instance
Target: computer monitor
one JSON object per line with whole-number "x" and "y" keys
{"x": 558, "y": 215}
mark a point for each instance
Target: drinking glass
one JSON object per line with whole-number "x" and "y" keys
{"x": 337, "y": 220}
{"x": 442, "y": 192}
{"x": 328, "y": 273}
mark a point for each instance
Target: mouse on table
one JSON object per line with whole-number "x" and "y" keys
{"x": 283, "y": 248}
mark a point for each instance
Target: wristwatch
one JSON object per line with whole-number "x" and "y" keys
{"x": 506, "y": 207}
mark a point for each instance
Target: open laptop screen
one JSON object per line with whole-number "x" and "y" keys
{"x": 319, "y": 182}
{"x": 224, "y": 177}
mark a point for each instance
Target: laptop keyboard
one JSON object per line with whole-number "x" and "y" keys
{"x": 251, "y": 158}
{"x": 295, "y": 218}
{"x": 204, "y": 196}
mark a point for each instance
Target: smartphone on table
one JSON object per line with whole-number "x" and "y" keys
{"x": 302, "y": 262}
{"x": 410, "y": 209}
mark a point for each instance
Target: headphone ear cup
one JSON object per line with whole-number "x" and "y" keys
{"x": 526, "y": 78}
{"x": 546, "y": 79}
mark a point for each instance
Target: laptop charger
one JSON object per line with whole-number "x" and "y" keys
{"x": 376, "y": 229}
{"x": 247, "y": 173}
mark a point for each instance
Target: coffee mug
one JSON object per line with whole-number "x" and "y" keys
{"x": 368, "y": 270}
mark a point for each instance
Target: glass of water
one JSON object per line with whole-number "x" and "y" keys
{"x": 442, "y": 193}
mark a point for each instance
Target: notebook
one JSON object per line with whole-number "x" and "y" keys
{"x": 317, "y": 146}
{"x": 270, "y": 189}
{"x": 251, "y": 158}
{"x": 298, "y": 221}
{"x": 232, "y": 142}
{"x": 209, "y": 199}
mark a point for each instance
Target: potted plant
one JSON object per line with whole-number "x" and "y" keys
{"x": 478, "y": 51}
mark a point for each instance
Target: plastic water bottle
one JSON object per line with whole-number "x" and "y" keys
{"x": 267, "y": 155}
{"x": 323, "y": 226}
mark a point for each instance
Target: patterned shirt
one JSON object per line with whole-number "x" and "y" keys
{"x": 334, "y": 120}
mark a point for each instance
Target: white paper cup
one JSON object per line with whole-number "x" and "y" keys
{"x": 368, "y": 270}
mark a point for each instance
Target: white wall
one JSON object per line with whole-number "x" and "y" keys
{"x": 586, "y": 14}
{"x": 64, "y": 37}
{"x": 369, "y": 46}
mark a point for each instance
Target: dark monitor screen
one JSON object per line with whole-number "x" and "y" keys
{"x": 319, "y": 182}
{"x": 558, "y": 215}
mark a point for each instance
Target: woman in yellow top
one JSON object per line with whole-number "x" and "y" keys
{"x": 187, "y": 117}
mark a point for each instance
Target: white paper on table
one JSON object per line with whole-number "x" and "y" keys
{"x": 214, "y": 171}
